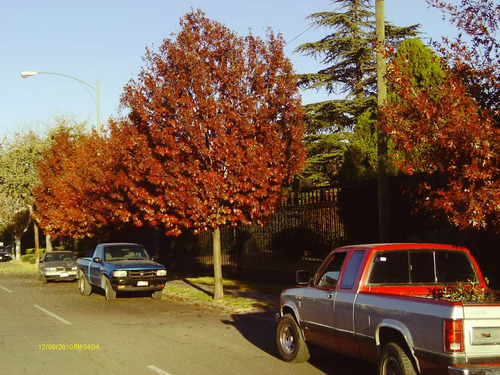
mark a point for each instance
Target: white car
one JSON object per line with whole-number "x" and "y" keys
{"x": 58, "y": 265}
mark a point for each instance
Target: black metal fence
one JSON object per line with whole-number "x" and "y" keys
{"x": 302, "y": 231}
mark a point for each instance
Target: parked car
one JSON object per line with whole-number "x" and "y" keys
{"x": 386, "y": 303}
{"x": 5, "y": 256}
{"x": 58, "y": 265}
{"x": 121, "y": 267}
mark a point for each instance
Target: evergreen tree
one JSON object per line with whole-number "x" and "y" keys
{"x": 348, "y": 53}
{"x": 424, "y": 69}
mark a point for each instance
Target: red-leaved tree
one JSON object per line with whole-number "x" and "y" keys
{"x": 443, "y": 132}
{"x": 80, "y": 190}
{"x": 214, "y": 130}
{"x": 474, "y": 55}
{"x": 451, "y": 130}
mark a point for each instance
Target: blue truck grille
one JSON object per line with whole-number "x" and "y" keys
{"x": 139, "y": 274}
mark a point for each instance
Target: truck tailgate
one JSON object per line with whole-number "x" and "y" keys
{"x": 482, "y": 332}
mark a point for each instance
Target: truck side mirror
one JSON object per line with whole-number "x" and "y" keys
{"x": 303, "y": 277}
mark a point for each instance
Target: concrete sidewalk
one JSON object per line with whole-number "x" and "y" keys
{"x": 269, "y": 301}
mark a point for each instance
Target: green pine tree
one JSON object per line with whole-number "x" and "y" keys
{"x": 348, "y": 53}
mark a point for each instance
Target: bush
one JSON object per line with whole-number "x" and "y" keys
{"x": 31, "y": 251}
{"x": 27, "y": 258}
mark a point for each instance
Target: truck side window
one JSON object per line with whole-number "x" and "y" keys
{"x": 330, "y": 274}
{"x": 352, "y": 270}
{"x": 390, "y": 268}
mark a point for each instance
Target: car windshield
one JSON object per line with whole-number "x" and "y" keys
{"x": 55, "y": 257}
{"x": 125, "y": 252}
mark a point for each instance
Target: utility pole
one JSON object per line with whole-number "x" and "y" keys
{"x": 383, "y": 180}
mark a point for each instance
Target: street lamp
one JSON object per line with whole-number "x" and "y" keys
{"x": 31, "y": 73}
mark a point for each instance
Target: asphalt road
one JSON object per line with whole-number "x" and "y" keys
{"x": 52, "y": 329}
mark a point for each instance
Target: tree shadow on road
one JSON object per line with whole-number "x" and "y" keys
{"x": 260, "y": 330}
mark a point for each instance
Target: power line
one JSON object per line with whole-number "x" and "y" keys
{"x": 303, "y": 32}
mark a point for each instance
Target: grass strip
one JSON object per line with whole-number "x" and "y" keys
{"x": 16, "y": 267}
{"x": 247, "y": 286}
{"x": 228, "y": 301}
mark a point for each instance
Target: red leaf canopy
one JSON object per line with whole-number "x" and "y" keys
{"x": 215, "y": 128}
{"x": 79, "y": 192}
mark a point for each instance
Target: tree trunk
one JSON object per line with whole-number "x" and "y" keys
{"x": 156, "y": 243}
{"x": 217, "y": 255}
{"x": 48, "y": 243}
{"x": 37, "y": 244}
{"x": 18, "y": 246}
{"x": 383, "y": 180}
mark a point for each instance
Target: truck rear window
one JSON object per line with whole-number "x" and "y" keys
{"x": 421, "y": 267}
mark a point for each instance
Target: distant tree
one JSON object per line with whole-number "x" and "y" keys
{"x": 18, "y": 160}
{"x": 348, "y": 53}
{"x": 214, "y": 132}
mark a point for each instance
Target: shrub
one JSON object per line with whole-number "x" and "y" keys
{"x": 27, "y": 257}
{"x": 31, "y": 251}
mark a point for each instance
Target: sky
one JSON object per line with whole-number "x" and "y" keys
{"x": 105, "y": 40}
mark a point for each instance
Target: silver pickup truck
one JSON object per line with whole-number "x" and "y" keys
{"x": 380, "y": 303}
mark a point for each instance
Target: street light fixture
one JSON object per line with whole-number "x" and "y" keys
{"x": 31, "y": 73}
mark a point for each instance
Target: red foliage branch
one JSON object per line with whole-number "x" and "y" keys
{"x": 474, "y": 54}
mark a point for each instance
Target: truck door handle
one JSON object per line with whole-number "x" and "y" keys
{"x": 330, "y": 296}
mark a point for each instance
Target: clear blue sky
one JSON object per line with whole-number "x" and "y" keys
{"x": 106, "y": 40}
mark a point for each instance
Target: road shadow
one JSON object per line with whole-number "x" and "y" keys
{"x": 260, "y": 330}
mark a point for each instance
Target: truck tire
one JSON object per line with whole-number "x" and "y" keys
{"x": 109, "y": 292}
{"x": 83, "y": 285}
{"x": 157, "y": 295}
{"x": 395, "y": 361}
{"x": 291, "y": 345}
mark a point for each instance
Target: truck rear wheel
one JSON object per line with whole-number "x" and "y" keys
{"x": 395, "y": 361}
{"x": 109, "y": 292}
{"x": 291, "y": 345}
{"x": 84, "y": 286}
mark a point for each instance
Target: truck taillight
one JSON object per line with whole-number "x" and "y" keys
{"x": 453, "y": 335}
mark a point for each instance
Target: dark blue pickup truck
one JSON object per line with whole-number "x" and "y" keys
{"x": 121, "y": 267}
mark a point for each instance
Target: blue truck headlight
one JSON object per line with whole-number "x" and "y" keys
{"x": 119, "y": 273}
{"x": 161, "y": 273}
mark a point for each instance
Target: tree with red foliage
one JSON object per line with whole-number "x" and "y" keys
{"x": 450, "y": 130}
{"x": 443, "y": 132}
{"x": 79, "y": 191}
{"x": 214, "y": 130}
{"x": 474, "y": 55}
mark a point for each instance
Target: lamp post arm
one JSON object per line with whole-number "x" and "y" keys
{"x": 68, "y": 76}
{"x": 97, "y": 89}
